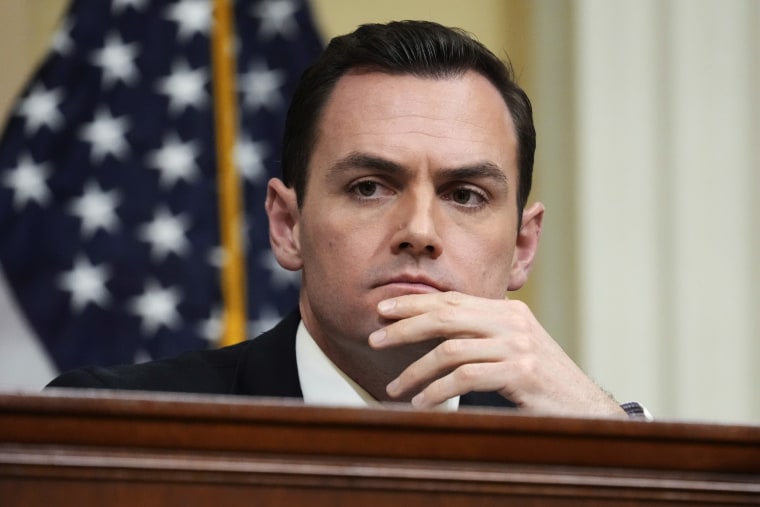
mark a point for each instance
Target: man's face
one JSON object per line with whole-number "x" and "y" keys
{"x": 411, "y": 189}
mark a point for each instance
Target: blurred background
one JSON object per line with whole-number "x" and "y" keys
{"x": 648, "y": 119}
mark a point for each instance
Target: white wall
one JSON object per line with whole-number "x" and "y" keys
{"x": 667, "y": 106}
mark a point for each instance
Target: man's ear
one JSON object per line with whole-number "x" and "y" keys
{"x": 282, "y": 210}
{"x": 526, "y": 245}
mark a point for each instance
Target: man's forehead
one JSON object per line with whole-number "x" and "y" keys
{"x": 462, "y": 116}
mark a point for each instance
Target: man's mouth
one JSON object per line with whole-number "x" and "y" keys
{"x": 413, "y": 284}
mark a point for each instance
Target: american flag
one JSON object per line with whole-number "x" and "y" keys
{"x": 109, "y": 217}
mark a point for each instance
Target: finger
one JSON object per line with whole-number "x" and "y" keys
{"x": 443, "y": 359}
{"x": 409, "y": 305}
{"x": 409, "y": 330}
{"x": 439, "y": 321}
{"x": 464, "y": 379}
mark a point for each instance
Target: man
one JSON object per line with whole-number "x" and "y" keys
{"x": 407, "y": 166}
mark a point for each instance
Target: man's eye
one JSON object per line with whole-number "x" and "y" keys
{"x": 466, "y": 197}
{"x": 366, "y": 188}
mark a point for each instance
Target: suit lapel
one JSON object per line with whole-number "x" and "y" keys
{"x": 268, "y": 368}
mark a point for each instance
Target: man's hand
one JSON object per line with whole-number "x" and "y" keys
{"x": 489, "y": 345}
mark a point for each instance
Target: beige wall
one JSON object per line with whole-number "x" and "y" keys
{"x": 25, "y": 33}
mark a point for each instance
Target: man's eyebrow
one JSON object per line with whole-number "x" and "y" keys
{"x": 358, "y": 160}
{"x": 479, "y": 170}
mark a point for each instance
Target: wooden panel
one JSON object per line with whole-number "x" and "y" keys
{"x": 98, "y": 447}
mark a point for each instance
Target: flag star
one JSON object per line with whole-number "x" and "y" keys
{"x": 281, "y": 278}
{"x": 277, "y": 17}
{"x": 250, "y": 156}
{"x": 107, "y": 136}
{"x": 175, "y": 160}
{"x": 192, "y": 16}
{"x": 166, "y": 234}
{"x": 27, "y": 181}
{"x": 86, "y": 283}
{"x": 62, "y": 43}
{"x": 40, "y": 108}
{"x": 96, "y": 209}
{"x": 267, "y": 318}
{"x": 117, "y": 61}
{"x": 261, "y": 87}
{"x": 184, "y": 87}
{"x": 119, "y": 5}
{"x": 156, "y": 307}
{"x": 211, "y": 328}
{"x": 217, "y": 256}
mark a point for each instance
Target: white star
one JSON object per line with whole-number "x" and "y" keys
{"x": 211, "y": 328}
{"x": 175, "y": 160}
{"x": 40, "y": 108}
{"x": 267, "y": 319}
{"x": 184, "y": 87}
{"x": 96, "y": 209}
{"x": 276, "y": 17}
{"x": 166, "y": 234}
{"x": 157, "y": 306}
{"x": 117, "y": 61}
{"x": 192, "y": 16}
{"x": 106, "y": 134}
{"x": 27, "y": 181}
{"x": 280, "y": 277}
{"x": 119, "y": 5}
{"x": 261, "y": 87}
{"x": 217, "y": 256}
{"x": 86, "y": 283}
{"x": 250, "y": 156}
{"x": 62, "y": 43}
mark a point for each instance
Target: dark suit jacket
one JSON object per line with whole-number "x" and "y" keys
{"x": 265, "y": 366}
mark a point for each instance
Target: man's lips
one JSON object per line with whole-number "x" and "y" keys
{"x": 412, "y": 284}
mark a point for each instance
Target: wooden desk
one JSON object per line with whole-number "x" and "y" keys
{"x": 89, "y": 448}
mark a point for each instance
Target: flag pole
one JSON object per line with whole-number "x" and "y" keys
{"x": 230, "y": 194}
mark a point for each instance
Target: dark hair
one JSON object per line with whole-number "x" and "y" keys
{"x": 418, "y": 48}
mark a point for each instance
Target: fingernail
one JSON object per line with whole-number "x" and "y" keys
{"x": 386, "y": 305}
{"x": 377, "y": 337}
{"x": 393, "y": 387}
{"x": 418, "y": 400}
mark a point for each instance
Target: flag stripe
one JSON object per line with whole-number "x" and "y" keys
{"x": 231, "y": 226}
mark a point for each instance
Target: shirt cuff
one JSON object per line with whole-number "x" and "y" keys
{"x": 636, "y": 410}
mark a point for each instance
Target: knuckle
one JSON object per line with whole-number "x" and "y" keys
{"x": 453, "y": 298}
{"x": 450, "y": 348}
{"x": 520, "y": 319}
{"x": 522, "y": 344}
{"x": 447, "y": 315}
{"x": 528, "y": 366}
{"x": 467, "y": 374}
{"x": 519, "y": 307}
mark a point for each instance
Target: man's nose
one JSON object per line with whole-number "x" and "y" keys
{"x": 418, "y": 223}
